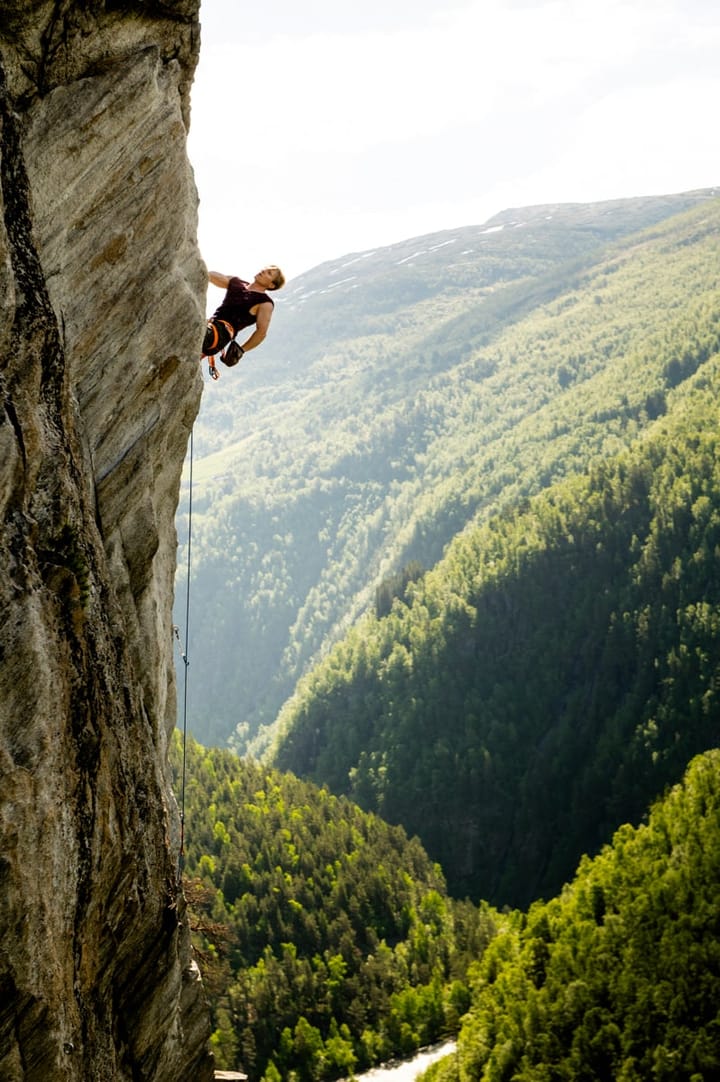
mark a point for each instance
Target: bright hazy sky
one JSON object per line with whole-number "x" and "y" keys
{"x": 323, "y": 127}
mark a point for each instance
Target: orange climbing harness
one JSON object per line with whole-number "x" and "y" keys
{"x": 211, "y": 347}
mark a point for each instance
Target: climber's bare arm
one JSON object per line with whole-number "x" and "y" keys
{"x": 221, "y": 280}
{"x": 264, "y": 315}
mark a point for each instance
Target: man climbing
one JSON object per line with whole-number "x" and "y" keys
{"x": 244, "y": 304}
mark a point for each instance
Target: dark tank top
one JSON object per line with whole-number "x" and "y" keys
{"x": 236, "y": 305}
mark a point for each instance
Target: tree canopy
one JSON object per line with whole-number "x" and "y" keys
{"x": 326, "y": 937}
{"x": 619, "y": 976}
{"x": 547, "y": 678}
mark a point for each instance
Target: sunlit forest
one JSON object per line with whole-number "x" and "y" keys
{"x": 326, "y": 937}
{"x": 619, "y": 976}
{"x": 328, "y": 942}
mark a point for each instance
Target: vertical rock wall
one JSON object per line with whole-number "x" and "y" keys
{"x": 101, "y": 314}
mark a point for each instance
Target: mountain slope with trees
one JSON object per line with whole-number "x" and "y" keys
{"x": 326, "y": 937}
{"x": 407, "y": 392}
{"x": 551, "y": 675}
{"x": 327, "y": 941}
{"x": 619, "y": 976}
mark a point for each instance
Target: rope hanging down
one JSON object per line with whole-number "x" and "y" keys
{"x": 184, "y": 655}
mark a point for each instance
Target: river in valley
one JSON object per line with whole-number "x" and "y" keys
{"x": 407, "y": 1070}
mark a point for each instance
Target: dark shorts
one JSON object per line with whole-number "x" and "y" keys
{"x": 216, "y": 338}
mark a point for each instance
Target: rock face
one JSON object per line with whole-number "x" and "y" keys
{"x": 101, "y": 315}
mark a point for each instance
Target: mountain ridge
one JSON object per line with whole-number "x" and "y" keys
{"x": 585, "y": 217}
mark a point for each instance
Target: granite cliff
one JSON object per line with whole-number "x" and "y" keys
{"x": 101, "y": 311}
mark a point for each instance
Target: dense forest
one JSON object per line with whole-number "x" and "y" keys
{"x": 458, "y": 570}
{"x": 328, "y": 942}
{"x": 548, "y": 678}
{"x": 326, "y": 937}
{"x": 403, "y": 394}
{"x": 619, "y": 976}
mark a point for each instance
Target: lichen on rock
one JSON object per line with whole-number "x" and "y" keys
{"x": 101, "y": 314}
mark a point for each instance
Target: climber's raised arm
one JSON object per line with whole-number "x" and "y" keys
{"x": 221, "y": 280}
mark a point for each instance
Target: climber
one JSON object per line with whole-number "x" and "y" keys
{"x": 244, "y": 304}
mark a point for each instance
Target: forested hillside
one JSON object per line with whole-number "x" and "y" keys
{"x": 406, "y": 392}
{"x": 326, "y": 937}
{"x": 327, "y": 941}
{"x": 618, "y": 977}
{"x": 523, "y": 493}
{"x": 554, "y": 671}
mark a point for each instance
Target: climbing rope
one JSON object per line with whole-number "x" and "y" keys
{"x": 184, "y": 655}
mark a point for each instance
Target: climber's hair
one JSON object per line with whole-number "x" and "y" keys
{"x": 278, "y": 276}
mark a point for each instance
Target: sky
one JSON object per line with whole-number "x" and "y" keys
{"x": 325, "y": 127}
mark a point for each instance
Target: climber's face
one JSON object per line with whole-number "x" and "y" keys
{"x": 269, "y": 278}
